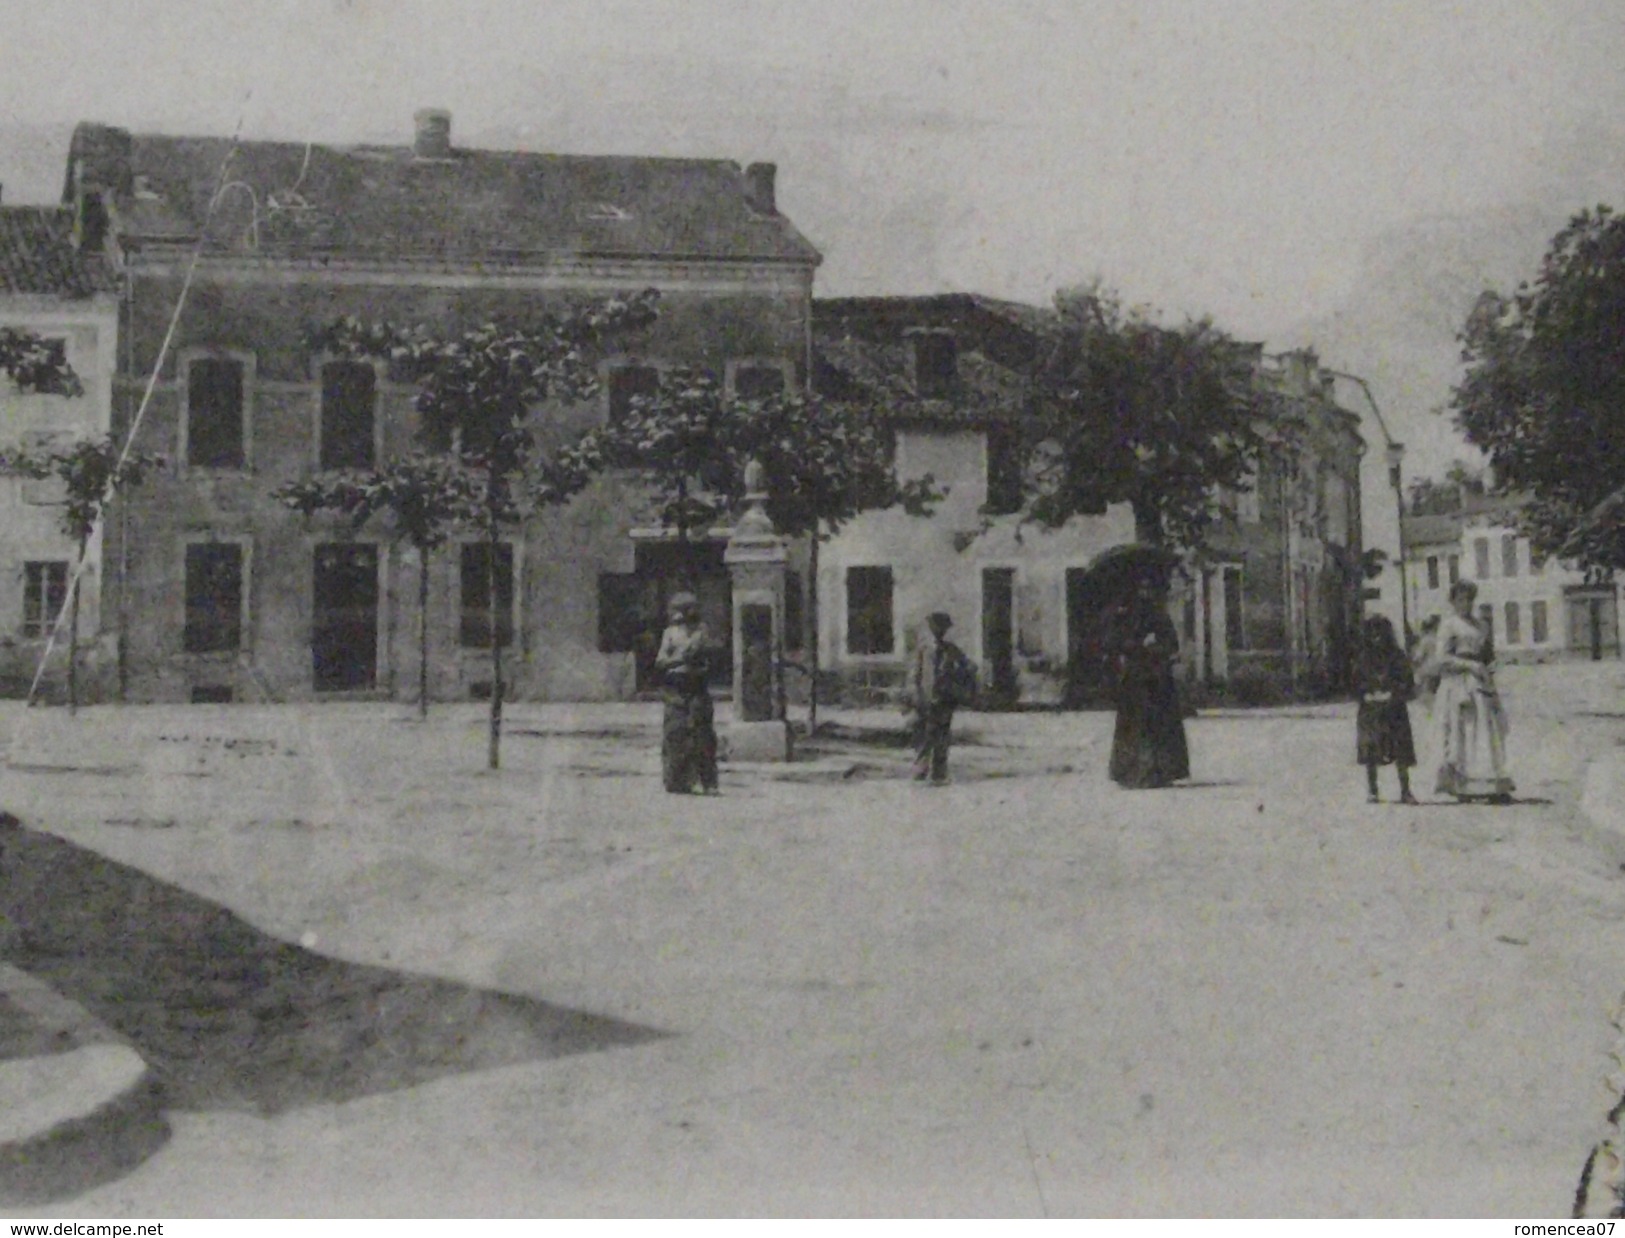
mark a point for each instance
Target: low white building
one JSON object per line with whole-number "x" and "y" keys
{"x": 48, "y": 288}
{"x": 1276, "y": 598}
{"x": 1539, "y": 609}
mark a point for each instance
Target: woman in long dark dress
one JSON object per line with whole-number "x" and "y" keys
{"x": 1148, "y": 744}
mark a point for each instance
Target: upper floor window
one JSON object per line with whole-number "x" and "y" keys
{"x": 758, "y": 382}
{"x": 936, "y": 364}
{"x": 1433, "y": 571}
{"x": 216, "y": 429}
{"x": 1509, "y": 554}
{"x": 1481, "y": 557}
{"x": 1004, "y": 469}
{"x": 1453, "y": 564}
{"x": 626, "y": 383}
{"x": 349, "y": 415}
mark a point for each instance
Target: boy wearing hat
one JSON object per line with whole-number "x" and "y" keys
{"x": 688, "y": 745}
{"x": 940, "y": 679}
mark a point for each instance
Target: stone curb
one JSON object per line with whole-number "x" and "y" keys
{"x": 72, "y": 1120}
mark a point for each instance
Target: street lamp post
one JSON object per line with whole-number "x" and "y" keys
{"x": 1394, "y": 454}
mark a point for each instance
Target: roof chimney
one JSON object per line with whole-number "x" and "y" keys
{"x": 759, "y": 179}
{"x": 433, "y": 140}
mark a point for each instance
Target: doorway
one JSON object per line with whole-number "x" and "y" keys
{"x": 344, "y": 627}
{"x": 999, "y": 632}
{"x": 1087, "y": 605}
{"x": 1593, "y": 624}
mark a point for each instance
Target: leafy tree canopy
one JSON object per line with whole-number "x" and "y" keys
{"x": 1132, "y": 411}
{"x": 1429, "y": 496}
{"x": 1543, "y": 395}
{"x": 823, "y": 461}
{"x": 477, "y": 387}
{"x": 423, "y": 496}
{"x": 36, "y": 363}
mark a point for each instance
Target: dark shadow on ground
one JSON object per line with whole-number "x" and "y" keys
{"x": 229, "y": 1017}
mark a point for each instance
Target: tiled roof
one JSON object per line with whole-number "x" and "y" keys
{"x": 475, "y": 205}
{"x": 864, "y": 348}
{"x": 37, "y": 257}
{"x": 882, "y": 372}
{"x": 1438, "y": 530}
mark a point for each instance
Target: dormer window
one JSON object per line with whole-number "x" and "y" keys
{"x": 144, "y": 189}
{"x": 936, "y": 365}
{"x": 606, "y": 212}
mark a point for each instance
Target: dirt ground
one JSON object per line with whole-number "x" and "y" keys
{"x": 388, "y": 982}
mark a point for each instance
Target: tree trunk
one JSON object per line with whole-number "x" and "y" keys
{"x": 423, "y": 631}
{"x": 73, "y": 627}
{"x": 494, "y": 758}
{"x": 812, "y": 636}
{"x": 1147, "y": 523}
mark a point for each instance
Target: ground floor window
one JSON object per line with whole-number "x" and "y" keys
{"x": 1537, "y": 623}
{"x": 477, "y": 583}
{"x": 869, "y": 610}
{"x": 45, "y": 591}
{"x": 214, "y": 597}
{"x": 1514, "y": 624}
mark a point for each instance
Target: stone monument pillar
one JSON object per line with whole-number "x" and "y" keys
{"x": 756, "y": 557}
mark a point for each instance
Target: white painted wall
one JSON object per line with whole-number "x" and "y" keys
{"x": 29, "y": 522}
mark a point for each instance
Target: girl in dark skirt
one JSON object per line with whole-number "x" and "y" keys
{"x": 1383, "y": 731}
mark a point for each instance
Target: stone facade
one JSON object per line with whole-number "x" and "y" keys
{"x": 233, "y": 597}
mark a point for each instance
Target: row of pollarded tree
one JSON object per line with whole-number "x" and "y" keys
{"x": 1128, "y": 411}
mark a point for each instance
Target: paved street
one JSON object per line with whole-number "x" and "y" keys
{"x": 1027, "y": 993}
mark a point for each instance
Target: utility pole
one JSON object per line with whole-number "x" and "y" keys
{"x": 1394, "y": 454}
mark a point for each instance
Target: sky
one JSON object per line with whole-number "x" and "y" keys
{"x": 1343, "y": 174}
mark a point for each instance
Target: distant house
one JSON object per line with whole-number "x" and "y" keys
{"x": 1539, "y": 609}
{"x": 233, "y": 597}
{"x": 1276, "y": 595}
{"x": 48, "y": 287}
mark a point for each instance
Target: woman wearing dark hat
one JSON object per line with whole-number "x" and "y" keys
{"x": 1148, "y": 743}
{"x": 688, "y": 741}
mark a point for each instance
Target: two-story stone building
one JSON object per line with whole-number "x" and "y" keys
{"x": 50, "y": 289}
{"x": 233, "y": 252}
